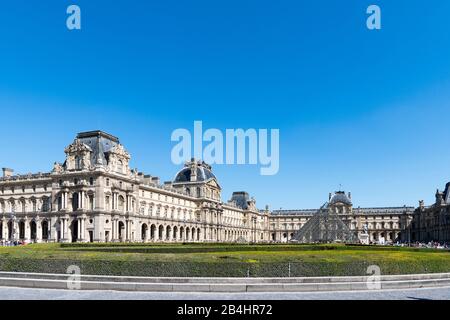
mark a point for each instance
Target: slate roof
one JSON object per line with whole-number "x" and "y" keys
{"x": 101, "y": 143}
{"x": 203, "y": 174}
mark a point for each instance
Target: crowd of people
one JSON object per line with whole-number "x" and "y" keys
{"x": 430, "y": 245}
{"x": 9, "y": 243}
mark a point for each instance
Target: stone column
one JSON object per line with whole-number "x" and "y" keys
{"x": 81, "y": 200}
{"x": 38, "y": 230}
{"x": 62, "y": 229}
{"x": 27, "y": 229}
{"x": 113, "y": 229}
{"x": 78, "y": 229}
{"x": 15, "y": 226}
{"x": 83, "y": 229}
{"x": 4, "y": 229}
{"x": 65, "y": 203}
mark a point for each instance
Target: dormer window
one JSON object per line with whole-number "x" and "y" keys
{"x": 120, "y": 166}
{"x": 77, "y": 163}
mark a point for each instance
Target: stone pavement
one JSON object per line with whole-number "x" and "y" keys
{"x": 8, "y": 293}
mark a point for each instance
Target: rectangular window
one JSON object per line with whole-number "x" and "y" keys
{"x": 91, "y": 203}
{"x": 107, "y": 203}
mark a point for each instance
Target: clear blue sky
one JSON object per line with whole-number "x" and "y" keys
{"x": 365, "y": 109}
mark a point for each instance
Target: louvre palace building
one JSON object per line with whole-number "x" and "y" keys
{"x": 94, "y": 196}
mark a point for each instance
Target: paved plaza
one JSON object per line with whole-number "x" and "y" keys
{"x": 49, "y": 294}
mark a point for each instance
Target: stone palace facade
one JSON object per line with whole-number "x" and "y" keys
{"x": 94, "y": 196}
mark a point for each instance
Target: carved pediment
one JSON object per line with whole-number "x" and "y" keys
{"x": 77, "y": 147}
{"x": 57, "y": 168}
{"x": 213, "y": 183}
{"x": 120, "y": 151}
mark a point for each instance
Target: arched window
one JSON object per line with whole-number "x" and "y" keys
{"x": 120, "y": 166}
{"x": 107, "y": 203}
{"x": 198, "y": 192}
{"x": 75, "y": 201}
{"x": 45, "y": 204}
{"x": 121, "y": 203}
{"x": 59, "y": 203}
{"x": 91, "y": 202}
{"x": 45, "y": 230}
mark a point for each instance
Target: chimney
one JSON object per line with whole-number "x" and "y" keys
{"x": 7, "y": 172}
{"x": 167, "y": 184}
{"x": 350, "y": 195}
{"x": 329, "y": 196}
{"x": 147, "y": 179}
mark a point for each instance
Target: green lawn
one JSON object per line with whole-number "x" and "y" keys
{"x": 222, "y": 260}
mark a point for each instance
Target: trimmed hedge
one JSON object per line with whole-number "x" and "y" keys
{"x": 208, "y": 248}
{"x": 229, "y": 269}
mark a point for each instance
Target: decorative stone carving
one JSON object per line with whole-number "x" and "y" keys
{"x": 120, "y": 152}
{"x": 77, "y": 147}
{"x": 119, "y": 159}
{"x": 57, "y": 168}
{"x": 78, "y": 156}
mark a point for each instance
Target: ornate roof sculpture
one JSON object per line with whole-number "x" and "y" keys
{"x": 78, "y": 157}
{"x": 120, "y": 151}
{"x": 77, "y": 147}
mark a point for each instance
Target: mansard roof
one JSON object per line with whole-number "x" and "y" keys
{"x": 240, "y": 199}
{"x": 101, "y": 144}
{"x": 447, "y": 193}
{"x": 97, "y": 133}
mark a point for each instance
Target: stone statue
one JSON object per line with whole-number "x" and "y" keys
{"x": 57, "y": 168}
{"x": 366, "y": 228}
